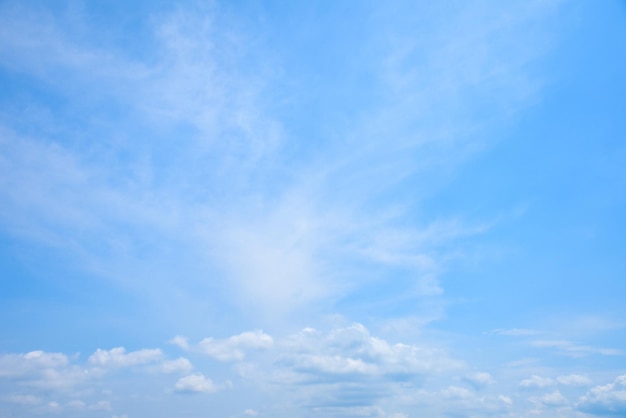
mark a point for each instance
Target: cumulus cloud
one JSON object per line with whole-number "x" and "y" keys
{"x": 41, "y": 369}
{"x": 180, "y": 341}
{"x": 39, "y": 382}
{"x": 195, "y": 383}
{"x": 573, "y": 380}
{"x": 606, "y": 400}
{"x": 536, "y": 382}
{"x": 118, "y": 357}
{"x": 18, "y": 364}
{"x": 230, "y": 349}
{"x": 180, "y": 365}
{"x": 555, "y": 399}
{"x": 351, "y": 353}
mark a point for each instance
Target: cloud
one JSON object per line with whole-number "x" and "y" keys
{"x": 180, "y": 365}
{"x": 515, "y": 332}
{"x": 352, "y": 354}
{"x": 230, "y": 349}
{"x": 195, "y": 383}
{"x": 18, "y": 364}
{"x": 284, "y": 221}
{"x": 39, "y": 382}
{"x": 118, "y": 357}
{"x": 552, "y": 399}
{"x": 180, "y": 341}
{"x": 536, "y": 382}
{"x": 572, "y": 349}
{"x": 277, "y": 245}
{"x": 41, "y": 369}
{"x": 606, "y": 400}
{"x": 574, "y": 380}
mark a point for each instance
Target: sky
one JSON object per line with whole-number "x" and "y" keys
{"x": 313, "y": 209}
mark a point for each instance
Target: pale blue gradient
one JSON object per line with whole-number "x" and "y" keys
{"x": 281, "y": 209}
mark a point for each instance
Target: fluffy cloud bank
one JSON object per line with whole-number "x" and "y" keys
{"x": 352, "y": 353}
{"x": 40, "y": 382}
{"x": 338, "y": 372}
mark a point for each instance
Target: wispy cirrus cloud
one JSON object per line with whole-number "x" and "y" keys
{"x": 575, "y": 350}
{"x": 259, "y": 234}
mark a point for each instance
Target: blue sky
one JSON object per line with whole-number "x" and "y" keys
{"x": 269, "y": 208}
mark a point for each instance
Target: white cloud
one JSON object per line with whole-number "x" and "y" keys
{"x": 606, "y": 400}
{"x": 232, "y": 348}
{"x": 506, "y": 399}
{"x": 195, "y": 383}
{"x": 515, "y": 332}
{"x": 536, "y": 382}
{"x": 555, "y": 399}
{"x": 180, "y": 341}
{"x": 575, "y": 350}
{"x": 276, "y": 246}
{"x": 574, "y": 380}
{"x": 18, "y": 364}
{"x": 118, "y": 357}
{"x": 180, "y": 365}
{"x": 352, "y": 354}
{"x": 41, "y": 369}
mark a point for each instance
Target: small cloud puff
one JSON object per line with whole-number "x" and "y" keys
{"x": 195, "y": 383}
{"x": 117, "y": 357}
{"x": 573, "y": 380}
{"x": 536, "y": 382}
{"x": 180, "y": 341}
{"x": 230, "y": 349}
{"x": 180, "y": 365}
